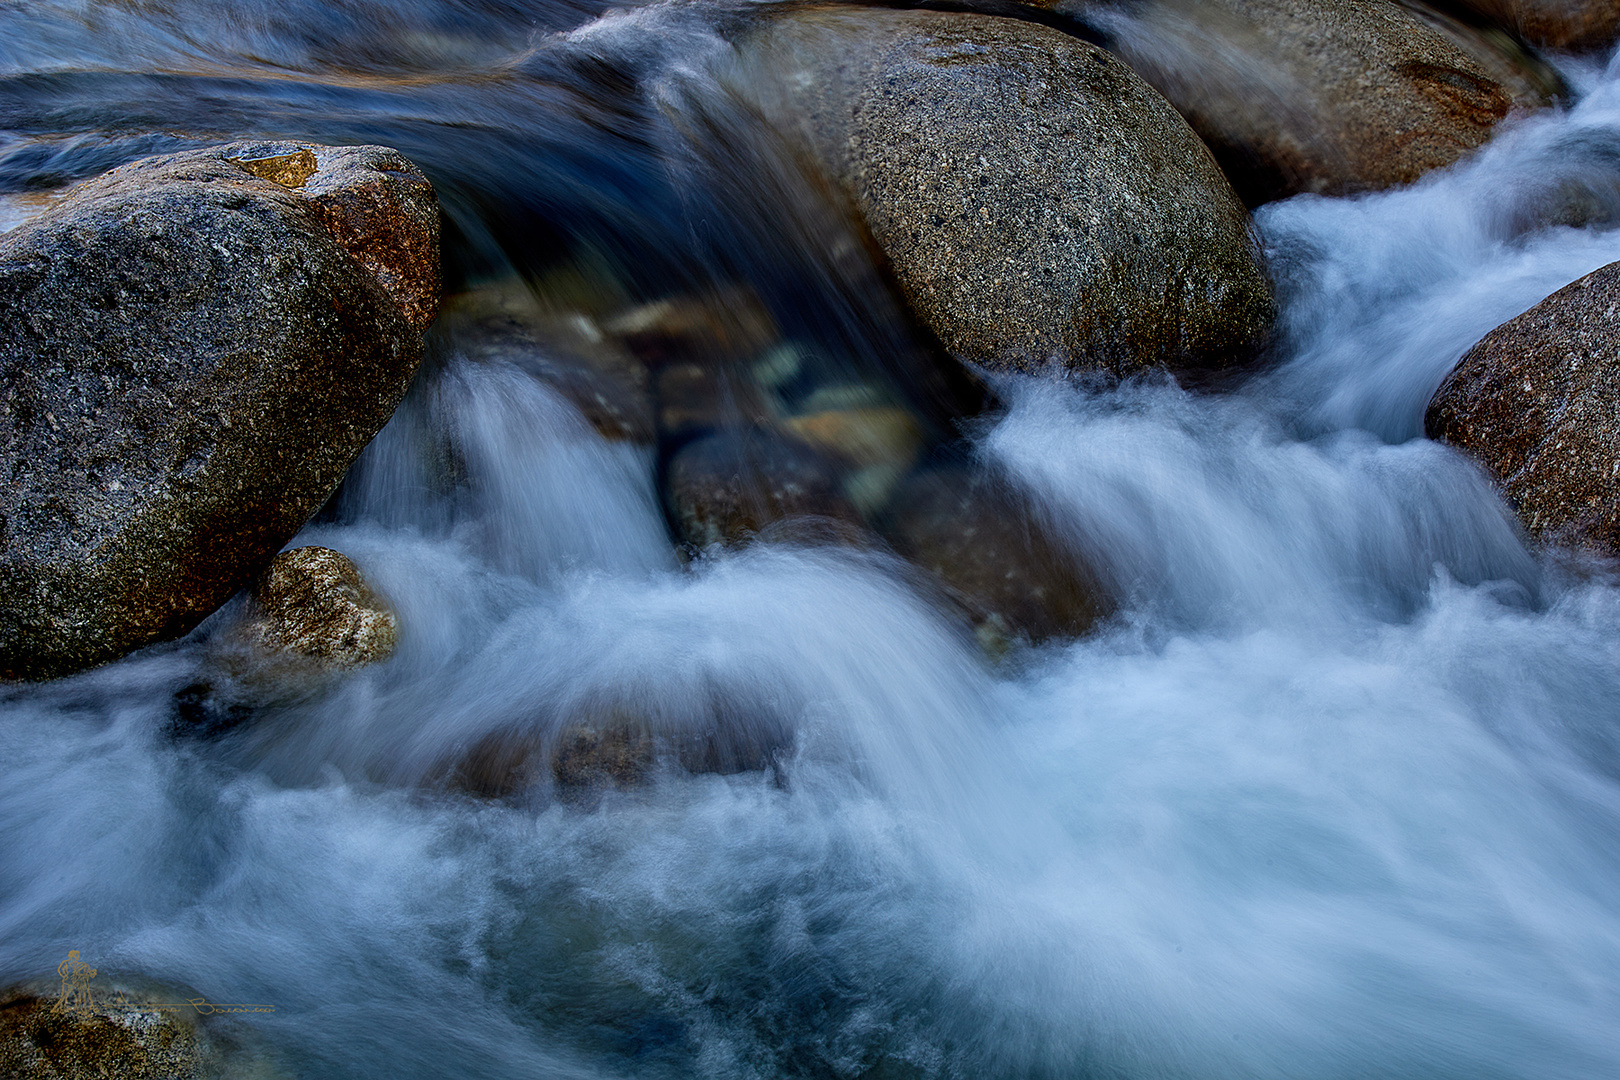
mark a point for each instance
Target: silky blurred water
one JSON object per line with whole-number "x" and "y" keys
{"x": 1334, "y": 793}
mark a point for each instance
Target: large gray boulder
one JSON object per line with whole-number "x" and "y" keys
{"x": 190, "y": 358}
{"x": 1036, "y": 201}
{"x": 1537, "y": 402}
{"x": 1306, "y": 96}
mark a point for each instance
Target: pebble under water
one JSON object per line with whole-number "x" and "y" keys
{"x": 1334, "y": 793}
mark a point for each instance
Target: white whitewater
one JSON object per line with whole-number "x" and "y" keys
{"x": 1335, "y": 795}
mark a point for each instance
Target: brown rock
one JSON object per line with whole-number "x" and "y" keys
{"x": 1537, "y": 402}
{"x": 41, "y": 1041}
{"x": 1036, "y": 201}
{"x": 1556, "y": 24}
{"x": 381, "y": 209}
{"x": 313, "y": 603}
{"x": 188, "y": 365}
{"x": 992, "y": 558}
{"x": 729, "y": 487}
{"x": 1300, "y": 95}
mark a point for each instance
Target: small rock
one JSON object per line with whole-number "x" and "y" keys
{"x": 308, "y": 619}
{"x": 1537, "y": 402}
{"x": 312, "y": 602}
{"x": 992, "y": 557}
{"x": 1036, "y": 200}
{"x": 731, "y": 486}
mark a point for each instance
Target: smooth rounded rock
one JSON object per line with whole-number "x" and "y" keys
{"x": 1537, "y": 403}
{"x": 992, "y": 558}
{"x": 730, "y": 487}
{"x": 1304, "y": 96}
{"x": 1037, "y": 202}
{"x": 189, "y": 362}
{"x": 1556, "y": 24}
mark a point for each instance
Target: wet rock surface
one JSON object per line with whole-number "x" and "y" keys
{"x": 993, "y": 558}
{"x": 41, "y": 1041}
{"x": 1537, "y": 402}
{"x": 189, "y": 361}
{"x": 1556, "y": 24}
{"x": 313, "y": 603}
{"x": 616, "y": 749}
{"x": 732, "y": 486}
{"x": 1296, "y": 95}
{"x": 1035, "y": 200}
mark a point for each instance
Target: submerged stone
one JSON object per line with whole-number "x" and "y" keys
{"x": 730, "y": 487}
{"x": 189, "y": 362}
{"x": 993, "y": 558}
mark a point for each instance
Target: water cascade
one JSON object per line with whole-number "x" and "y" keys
{"x": 1330, "y": 789}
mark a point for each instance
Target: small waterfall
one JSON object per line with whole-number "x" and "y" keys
{"x": 1332, "y": 792}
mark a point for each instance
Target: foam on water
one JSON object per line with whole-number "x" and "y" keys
{"x": 1334, "y": 795}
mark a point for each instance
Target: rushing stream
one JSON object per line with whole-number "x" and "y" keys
{"x": 1335, "y": 792}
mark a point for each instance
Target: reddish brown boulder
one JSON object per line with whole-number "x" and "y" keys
{"x": 1537, "y": 402}
{"x": 1556, "y": 24}
{"x": 1303, "y": 96}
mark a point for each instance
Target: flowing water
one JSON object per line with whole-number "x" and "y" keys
{"x": 1334, "y": 793}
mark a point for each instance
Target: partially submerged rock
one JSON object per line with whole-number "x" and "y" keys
{"x": 189, "y": 362}
{"x": 732, "y": 486}
{"x": 1556, "y": 24}
{"x": 42, "y": 1040}
{"x": 1037, "y": 202}
{"x": 1300, "y": 95}
{"x": 992, "y": 558}
{"x": 620, "y": 748}
{"x": 1537, "y": 402}
{"x": 313, "y": 604}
